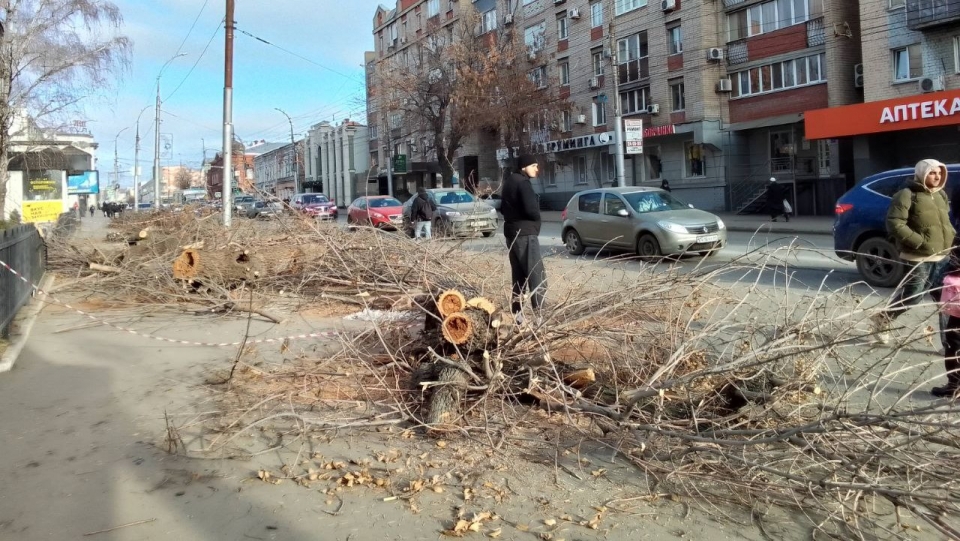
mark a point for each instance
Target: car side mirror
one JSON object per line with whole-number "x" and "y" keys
{"x": 690, "y": 205}
{"x": 623, "y": 213}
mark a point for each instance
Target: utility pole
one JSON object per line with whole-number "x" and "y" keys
{"x": 116, "y": 158}
{"x": 136, "y": 165}
{"x": 156, "y": 139}
{"x": 389, "y": 154}
{"x": 618, "y": 119}
{"x": 296, "y": 161}
{"x": 226, "y": 193}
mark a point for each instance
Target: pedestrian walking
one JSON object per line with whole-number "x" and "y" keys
{"x": 919, "y": 222}
{"x": 92, "y": 210}
{"x": 422, "y": 211}
{"x": 949, "y": 299}
{"x": 665, "y": 185}
{"x": 520, "y": 207}
{"x": 776, "y": 201}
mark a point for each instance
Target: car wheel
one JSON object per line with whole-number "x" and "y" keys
{"x": 488, "y": 234}
{"x": 647, "y": 246}
{"x": 878, "y": 262}
{"x": 573, "y": 243}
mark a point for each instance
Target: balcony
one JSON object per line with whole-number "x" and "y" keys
{"x": 634, "y": 70}
{"x": 815, "y": 32}
{"x": 927, "y": 14}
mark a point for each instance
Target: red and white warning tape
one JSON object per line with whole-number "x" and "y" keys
{"x": 319, "y": 334}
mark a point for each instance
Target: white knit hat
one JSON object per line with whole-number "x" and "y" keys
{"x": 773, "y": 179}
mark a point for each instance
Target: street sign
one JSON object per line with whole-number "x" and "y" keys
{"x": 633, "y": 135}
{"x": 400, "y": 163}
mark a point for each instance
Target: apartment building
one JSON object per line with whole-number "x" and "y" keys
{"x": 720, "y": 86}
{"x": 338, "y": 161}
{"x": 910, "y": 80}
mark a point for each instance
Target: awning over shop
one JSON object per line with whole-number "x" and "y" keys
{"x": 907, "y": 113}
{"x": 765, "y": 122}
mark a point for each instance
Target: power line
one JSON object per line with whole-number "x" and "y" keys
{"x": 180, "y": 48}
{"x": 301, "y": 57}
{"x": 207, "y": 46}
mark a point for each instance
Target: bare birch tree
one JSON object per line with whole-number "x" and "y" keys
{"x": 461, "y": 80}
{"x": 53, "y": 54}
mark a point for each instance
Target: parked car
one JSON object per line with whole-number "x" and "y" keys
{"x": 458, "y": 213}
{"x": 315, "y": 205}
{"x": 859, "y": 226}
{"x": 492, "y": 199}
{"x": 380, "y": 211}
{"x": 648, "y": 221}
{"x": 265, "y": 209}
{"x": 243, "y": 203}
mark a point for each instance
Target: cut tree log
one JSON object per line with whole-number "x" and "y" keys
{"x": 468, "y": 329}
{"x": 104, "y": 268}
{"x": 450, "y": 301}
{"x": 446, "y": 399}
{"x": 228, "y": 267}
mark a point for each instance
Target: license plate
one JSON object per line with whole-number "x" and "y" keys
{"x": 708, "y": 238}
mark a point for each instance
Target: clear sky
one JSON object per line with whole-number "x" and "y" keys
{"x": 312, "y": 69}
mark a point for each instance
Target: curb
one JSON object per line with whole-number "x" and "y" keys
{"x": 25, "y": 321}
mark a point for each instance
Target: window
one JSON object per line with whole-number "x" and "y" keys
{"x": 635, "y": 101}
{"x": 632, "y": 53}
{"x": 782, "y": 151}
{"x": 433, "y": 8}
{"x": 533, "y": 37}
{"x": 956, "y": 54}
{"x": 889, "y": 185}
{"x": 566, "y": 121}
{"x": 612, "y": 204}
{"x": 599, "y": 114}
{"x": 907, "y": 63}
{"x": 897, "y": 4}
{"x": 596, "y": 14}
{"x": 564, "y": 69}
{"x": 489, "y": 20}
{"x": 779, "y": 76}
{"x": 677, "y": 95}
{"x": 539, "y": 76}
{"x": 623, "y": 6}
{"x": 607, "y": 167}
{"x": 598, "y": 63}
{"x": 580, "y": 171}
{"x": 695, "y": 164}
{"x": 770, "y": 16}
{"x": 674, "y": 40}
{"x": 589, "y": 202}
{"x": 563, "y": 31}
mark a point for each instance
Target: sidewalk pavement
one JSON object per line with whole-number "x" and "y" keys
{"x": 798, "y": 225}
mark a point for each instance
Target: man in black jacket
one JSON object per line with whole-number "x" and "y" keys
{"x": 520, "y": 207}
{"x": 422, "y": 211}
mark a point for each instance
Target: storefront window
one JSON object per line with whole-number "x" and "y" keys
{"x": 695, "y": 160}
{"x": 782, "y": 150}
{"x": 653, "y": 163}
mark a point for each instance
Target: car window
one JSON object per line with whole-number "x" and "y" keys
{"x": 380, "y": 203}
{"x": 453, "y": 197}
{"x": 612, "y": 204}
{"x": 313, "y": 198}
{"x": 654, "y": 201}
{"x": 589, "y": 202}
{"x": 889, "y": 185}
{"x": 361, "y": 203}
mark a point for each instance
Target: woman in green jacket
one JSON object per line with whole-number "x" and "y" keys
{"x": 919, "y": 222}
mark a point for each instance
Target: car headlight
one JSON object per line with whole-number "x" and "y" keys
{"x": 376, "y": 215}
{"x": 720, "y": 224}
{"x": 672, "y": 227}
{"x": 451, "y": 213}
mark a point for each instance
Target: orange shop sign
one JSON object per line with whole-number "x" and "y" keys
{"x": 911, "y": 112}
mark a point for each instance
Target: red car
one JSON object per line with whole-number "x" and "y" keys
{"x": 315, "y": 205}
{"x": 380, "y": 211}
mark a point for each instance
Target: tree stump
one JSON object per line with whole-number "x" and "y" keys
{"x": 445, "y": 400}
{"x": 468, "y": 329}
{"x": 450, "y": 301}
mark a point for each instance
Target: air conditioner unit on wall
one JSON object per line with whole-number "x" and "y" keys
{"x": 573, "y": 13}
{"x": 403, "y": 40}
{"x": 581, "y": 119}
{"x": 508, "y": 19}
{"x": 558, "y": 2}
{"x": 931, "y": 84}
{"x": 724, "y": 85}
{"x": 653, "y": 109}
{"x": 858, "y": 76}
{"x": 594, "y": 82}
{"x": 668, "y": 5}
{"x": 715, "y": 53}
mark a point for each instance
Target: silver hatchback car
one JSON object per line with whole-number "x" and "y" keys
{"x": 648, "y": 221}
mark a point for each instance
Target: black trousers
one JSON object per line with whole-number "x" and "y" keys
{"x": 951, "y": 350}
{"x": 527, "y": 272}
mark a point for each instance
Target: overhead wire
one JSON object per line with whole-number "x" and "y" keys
{"x": 202, "y": 53}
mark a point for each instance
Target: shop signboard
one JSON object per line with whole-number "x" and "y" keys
{"x": 400, "y": 163}
{"x": 83, "y": 182}
{"x": 633, "y": 135}
{"x": 42, "y": 211}
{"x": 42, "y": 196}
{"x": 906, "y": 113}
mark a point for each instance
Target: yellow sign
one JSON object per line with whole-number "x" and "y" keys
{"x": 42, "y": 211}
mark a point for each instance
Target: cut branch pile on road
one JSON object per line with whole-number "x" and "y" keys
{"x": 732, "y": 392}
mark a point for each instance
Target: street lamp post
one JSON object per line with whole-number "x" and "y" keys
{"x": 116, "y": 157}
{"x": 296, "y": 162}
{"x": 136, "y": 165}
{"x": 156, "y": 142}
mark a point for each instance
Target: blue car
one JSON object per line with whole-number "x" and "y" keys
{"x": 859, "y": 227}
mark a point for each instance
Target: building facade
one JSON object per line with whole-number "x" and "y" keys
{"x": 338, "y": 161}
{"x": 910, "y": 83}
{"x": 721, "y": 88}
{"x": 243, "y": 176}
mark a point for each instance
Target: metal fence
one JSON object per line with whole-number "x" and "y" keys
{"x": 23, "y": 249}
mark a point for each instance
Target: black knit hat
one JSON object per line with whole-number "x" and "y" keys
{"x": 524, "y": 160}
